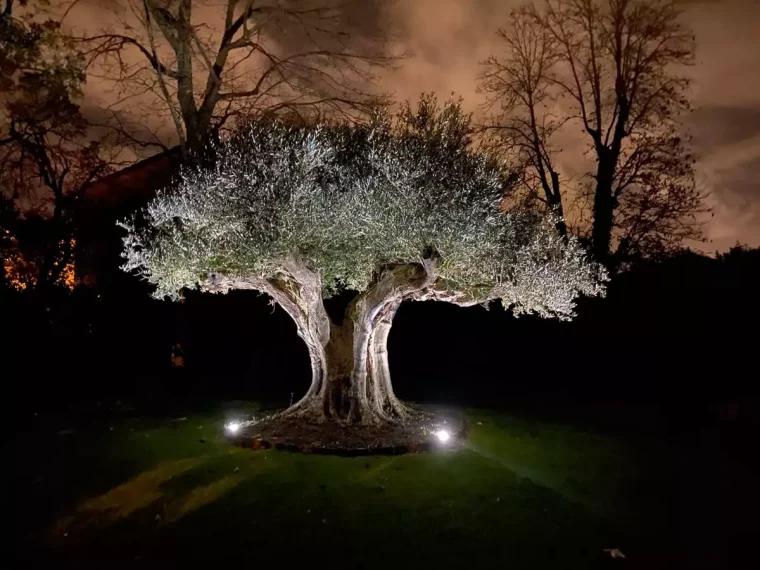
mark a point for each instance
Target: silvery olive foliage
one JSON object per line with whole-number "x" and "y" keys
{"x": 352, "y": 200}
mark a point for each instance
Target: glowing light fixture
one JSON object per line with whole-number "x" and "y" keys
{"x": 443, "y": 435}
{"x": 232, "y": 427}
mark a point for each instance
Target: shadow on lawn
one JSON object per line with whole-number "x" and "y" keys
{"x": 441, "y": 510}
{"x": 141, "y": 492}
{"x": 521, "y": 494}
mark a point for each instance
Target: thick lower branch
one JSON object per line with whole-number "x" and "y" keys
{"x": 372, "y": 315}
{"x": 380, "y": 392}
{"x": 299, "y": 292}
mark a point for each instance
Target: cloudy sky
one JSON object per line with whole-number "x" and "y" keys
{"x": 449, "y": 37}
{"x": 446, "y": 40}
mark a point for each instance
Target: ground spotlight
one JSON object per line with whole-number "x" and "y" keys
{"x": 443, "y": 435}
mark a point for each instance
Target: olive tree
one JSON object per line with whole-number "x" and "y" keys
{"x": 400, "y": 209}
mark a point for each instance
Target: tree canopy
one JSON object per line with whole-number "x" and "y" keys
{"x": 350, "y": 201}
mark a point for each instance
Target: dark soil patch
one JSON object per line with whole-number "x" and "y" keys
{"x": 416, "y": 434}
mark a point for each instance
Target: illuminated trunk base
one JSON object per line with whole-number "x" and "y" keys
{"x": 350, "y": 375}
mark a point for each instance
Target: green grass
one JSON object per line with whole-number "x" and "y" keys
{"x": 521, "y": 494}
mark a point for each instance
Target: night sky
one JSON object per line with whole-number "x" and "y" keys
{"x": 449, "y": 37}
{"x": 446, "y": 40}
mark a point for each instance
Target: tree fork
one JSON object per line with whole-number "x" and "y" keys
{"x": 349, "y": 362}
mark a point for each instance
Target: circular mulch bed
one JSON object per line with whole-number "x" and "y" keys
{"x": 421, "y": 432}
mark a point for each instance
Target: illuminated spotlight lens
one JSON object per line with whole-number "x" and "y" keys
{"x": 233, "y": 427}
{"x": 443, "y": 435}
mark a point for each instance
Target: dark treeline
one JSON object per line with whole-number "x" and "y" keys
{"x": 674, "y": 338}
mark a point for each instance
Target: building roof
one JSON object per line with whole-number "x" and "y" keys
{"x": 135, "y": 185}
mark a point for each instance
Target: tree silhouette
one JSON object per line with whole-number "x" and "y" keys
{"x": 399, "y": 210}
{"x": 611, "y": 67}
{"x": 209, "y": 63}
{"x": 47, "y": 153}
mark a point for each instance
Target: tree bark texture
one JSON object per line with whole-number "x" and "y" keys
{"x": 349, "y": 360}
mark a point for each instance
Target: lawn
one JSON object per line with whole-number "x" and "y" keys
{"x": 142, "y": 492}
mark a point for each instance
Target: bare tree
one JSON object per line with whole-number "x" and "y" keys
{"x": 206, "y": 63}
{"x": 519, "y": 85}
{"x": 656, "y": 202}
{"x": 613, "y": 67}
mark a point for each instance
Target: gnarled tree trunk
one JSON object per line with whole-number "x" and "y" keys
{"x": 349, "y": 360}
{"x": 356, "y": 385}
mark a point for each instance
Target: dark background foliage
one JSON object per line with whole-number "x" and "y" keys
{"x": 673, "y": 342}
